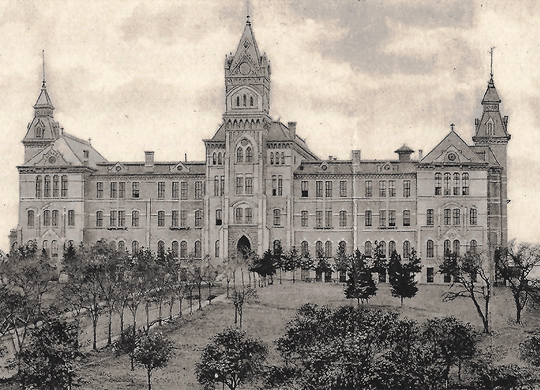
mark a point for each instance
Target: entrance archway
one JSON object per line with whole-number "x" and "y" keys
{"x": 243, "y": 247}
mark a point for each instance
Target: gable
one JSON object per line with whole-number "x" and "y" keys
{"x": 452, "y": 150}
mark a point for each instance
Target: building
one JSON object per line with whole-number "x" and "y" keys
{"x": 260, "y": 184}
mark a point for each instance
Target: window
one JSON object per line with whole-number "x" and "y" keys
{"x": 175, "y": 187}
{"x": 113, "y": 190}
{"x": 391, "y": 217}
{"x": 219, "y": 161}
{"x": 369, "y": 189}
{"x": 391, "y": 248}
{"x": 183, "y": 249}
{"x": 64, "y": 187}
{"x": 183, "y": 218}
{"x": 239, "y": 155}
{"x": 112, "y": 218}
{"x": 274, "y": 185}
{"x": 222, "y": 185}
{"x": 135, "y": 218}
{"x": 245, "y": 100}
{"x": 392, "y": 188}
{"x": 161, "y": 189}
{"x": 54, "y": 248}
{"x": 429, "y": 249}
{"x": 199, "y": 191}
{"x": 282, "y": 158}
{"x": 456, "y": 184}
{"x": 328, "y": 188}
{"x": 382, "y": 217}
{"x": 184, "y": 190}
{"x": 239, "y": 185}
{"x": 122, "y": 189}
{"x": 54, "y": 221}
{"x": 430, "y": 220}
{"x": 328, "y": 218}
{"x": 342, "y": 218}
{"x": 304, "y": 218}
{"x": 249, "y": 215}
{"x": 198, "y": 218}
{"x": 251, "y": 101}
{"x": 47, "y": 187}
{"x": 161, "y": 248}
{"x": 121, "y": 218}
{"x": 368, "y": 249}
{"x": 457, "y": 217}
{"x": 382, "y": 188}
{"x": 121, "y": 246}
{"x": 249, "y": 186}
{"x": 216, "y": 185}
{"x": 367, "y": 218}
{"x": 277, "y": 217}
{"x": 238, "y": 101}
{"x": 135, "y": 190}
{"x": 319, "y": 189}
{"x": 38, "y": 131}
{"x": 198, "y": 250}
{"x": 219, "y": 218}
{"x": 238, "y": 215}
{"x": 429, "y": 275}
{"x": 99, "y": 218}
{"x": 473, "y": 247}
{"x": 134, "y": 247}
{"x": 406, "y": 249}
{"x": 214, "y": 161}
{"x": 438, "y": 183}
{"x": 271, "y": 158}
{"x": 465, "y": 184}
{"x": 342, "y": 188}
{"x": 328, "y": 249}
{"x": 175, "y": 248}
{"x": 447, "y": 183}
{"x": 71, "y": 217}
{"x": 319, "y": 252}
{"x": 406, "y": 218}
{"x": 456, "y": 246}
{"x": 30, "y": 219}
{"x": 446, "y": 247}
{"x": 489, "y": 126}
{"x": 46, "y": 246}
{"x": 304, "y": 188}
{"x": 447, "y": 278}
{"x": 249, "y": 155}
{"x": 318, "y": 218}
{"x": 38, "y": 186}
{"x": 46, "y": 218}
{"x": 216, "y": 249}
{"x": 56, "y": 185}
{"x": 447, "y": 216}
{"x": 473, "y": 217}
{"x": 406, "y": 188}
{"x": 161, "y": 218}
{"x": 305, "y": 248}
{"x": 174, "y": 218}
{"x": 382, "y": 249}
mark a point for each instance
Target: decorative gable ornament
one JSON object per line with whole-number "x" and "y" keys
{"x": 118, "y": 168}
{"x": 179, "y": 168}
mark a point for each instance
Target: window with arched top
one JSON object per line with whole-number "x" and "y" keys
{"x": 249, "y": 155}
{"x": 64, "y": 187}
{"x": 271, "y": 158}
{"x": 238, "y": 101}
{"x": 465, "y": 183}
{"x": 160, "y": 248}
{"x": 134, "y": 247}
{"x": 245, "y": 100}
{"x": 56, "y": 185}
{"x": 47, "y": 186}
{"x": 368, "y": 249}
{"x": 473, "y": 247}
{"x": 39, "y": 131}
{"x": 446, "y": 247}
{"x": 305, "y": 248}
{"x": 46, "y": 246}
{"x": 121, "y": 246}
{"x": 438, "y": 183}
{"x": 183, "y": 250}
{"x": 30, "y": 221}
{"x": 216, "y": 249}
{"x": 282, "y": 158}
{"x": 456, "y": 247}
{"x": 447, "y": 177}
{"x": 382, "y": 249}
{"x": 319, "y": 252}
{"x": 219, "y": 161}
{"x": 38, "y": 186}
{"x": 406, "y": 249}
{"x": 198, "y": 250}
{"x": 54, "y": 248}
{"x": 429, "y": 249}
{"x": 276, "y": 247}
{"x": 391, "y": 247}
{"x": 214, "y": 159}
{"x": 251, "y": 101}
{"x": 489, "y": 128}
{"x": 457, "y": 184}
{"x": 239, "y": 155}
{"x": 328, "y": 249}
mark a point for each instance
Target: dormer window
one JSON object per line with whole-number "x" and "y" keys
{"x": 39, "y": 132}
{"x": 489, "y": 127}
{"x": 251, "y": 101}
{"x": 86, "y": 154}
{"x": 271, "y": 158}
{"x": 238, "y": 101}
{"x": 245, "y": 99}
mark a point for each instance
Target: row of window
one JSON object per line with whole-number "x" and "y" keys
{"x": 452, "y": 217}
{"x": 451, "y": 184}
{"x": 304, "y": 219}
{"x": 244, "y": 185}
{"x": 244, "y": 155}
{"x": 59, "y": 186}
{"x": 179, "y": 190}
{"x": 50, "y": 218}
{"x": 387, "y": 188}
{"x": 277, "y": 158}
{"x": 449, "y": 247}
{"x": 218, "y": 158}
{"x": 117, "y": 218}
{"x": 325, "y": 249}
{"x": 323, "y": 188}
{"x": 368, "y": 218}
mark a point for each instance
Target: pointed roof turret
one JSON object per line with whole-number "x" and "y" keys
{"x": 247, "y": 47}
{"x": 44, "y": 100}
{"x": 491, "y": 96}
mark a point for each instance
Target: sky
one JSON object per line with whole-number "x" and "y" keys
{"x": 354, "y": 74}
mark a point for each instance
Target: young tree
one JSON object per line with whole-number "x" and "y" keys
{"x": 291, "y": 262}
{"x": 278, "y": 257}
{"x": 472, "y": 279}
{"x": 265, "y": 266}
{"x": 152, "y": 352}
{"x": 232, "y": 358}
{"x": 342, "y": 263}
{"x": 306, "y": 263}
{"x": 360, "y": 284}
{"x": 401, "y": 275}
{"x": 515, "y": 264}
{"x": 323, "y": 266}
{"x": 127, "y": 343}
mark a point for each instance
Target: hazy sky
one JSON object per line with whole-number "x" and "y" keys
{"x": 369, "y": 75}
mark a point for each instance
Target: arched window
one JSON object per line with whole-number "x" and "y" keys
{"x": 457, "y": 217}
{"x": 54, "y": 248}
{"x": 305, "y": 248}
{"x": 473, "y": 216}
{"x": 447, "y": 177}
{"x": 368, "y": 249}
{"x": 56, "y": 185}
{"x": 438, "y": 183}
{"x": 216, "y": 249}
{"x": 276, "y": 246}
{"x": 473, "y": 247}
{"x": 489, "y": 130}
{"x": 55, "y": 218}
{"x": 342, "y": 247}
{"x": 271, "y": 158}
{"x": 382, "y": 249}
{"x": 198, "y": 251}
{"x": 30, "y": 220}
{"x": 161, "y": 248}
{"x": 282, "y": 158}
{"x": 214, "y": 161}
{"x": 183, "y": 250}
{"x": 38, "y": 186}
{"x": 406, "y": 249}
{"x": 239, "y": 155}
{"x": 121, "y": 246}
{"x": 391, "y": 248}
{"x": 456, "y": 247}
{"x": 446, "y": 247}
{"x": 249, "y": 155}
{"x": 46, "y": 217}
{"x": 328, "y": 249}
{"x": 219, "y": 161}
{"x": 245, "y": 100}
{"x": 277, "y": 217}
{"x": 465, "y": 183}
{"x": 238, "y": 101}
{"x": 174, "y": 248}
{"x": 457, "y": 189}
{"x": 99, "y": 218}
{"x": 112, "y": 245}
{"x": 46, "y": 246}
{"x": 429, "y": 249}
{"x": 64, "y": 188}
{"x": 38, "y": 132}
{"x": 319, "y": 249}
{"x": 47, "y": 187}
{"x": 134, "y": 247}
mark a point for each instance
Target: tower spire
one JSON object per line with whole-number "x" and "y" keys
{"x": 247, "y": 16}
{"x": 491, "y": 64}
{"x": 43, "y": 58}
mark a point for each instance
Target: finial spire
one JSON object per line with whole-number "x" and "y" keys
{"x": 247, "y": 16}
{"x": 452, "y": 126}
{"x": 43, "y": 58}
{"x": 491, "y": 64}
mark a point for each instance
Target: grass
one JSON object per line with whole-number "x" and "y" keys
{"x": 266, "y": 317}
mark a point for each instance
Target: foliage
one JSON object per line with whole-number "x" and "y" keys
{"x": 232, "y": 358}
{"x": 127, "y": 343}
{"x": 265, "y": 266}
{"x": 360, "y": 284}
{"x": 401, "y": 275}
{"x": 151, "y": 352}
{"x": 529, "y": 349}
{"x": 291, "y": 262}
{"x": 506, "y": 376}
{"x": 515, "y": 264}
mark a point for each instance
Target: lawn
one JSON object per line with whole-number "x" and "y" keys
{"x": 267, "y": 316}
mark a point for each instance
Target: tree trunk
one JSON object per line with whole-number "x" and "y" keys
{"x": 235, "y": 314}
{"x": 147, "y": 310}
{"x": 160, "y": 313}
{"x": 149, "y": 379}
{"x": 519, "y": 308}
{"x": 228, "y": 282}
{"x": 122, "y": 322}
{"x": 180, "y": 307}
{"x": 279, "y": 275}
{"x": 94, "y": 331}
{"x": 109, "y": 329}
{"x": 401, "y": 301}
{"x": 209, "y": 293}
{"x": 294, "y": 275}
{"x": 171, "y": 304}
{"x": 199, "y": 285}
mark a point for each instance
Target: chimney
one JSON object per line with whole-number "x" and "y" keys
{"x": 355, "y": 157}
{"x": 330, "y": 158}
{"x": 292, "y": 129}
{"x": 149, "y": 161}
{"x": 420, "y": 154}
{"x": 185, "y": 157}
{"x": 404, "y": 153}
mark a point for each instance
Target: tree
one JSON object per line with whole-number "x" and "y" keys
{"x": 465, "y": 271}
{"x": 265, "y": 266}
{"x": 401, "y": 275}
{"x": 291, "y": 262}
{"x": 529, "y": 349}
{"x": 127, "y": 343}
{"x": 515, "y": 264}
{"x": 307, "y": 263}
{"x": 48, "y": 361}
{"x": 278, "y": 257}
{"x": 342, "y": 262}
{"x": 152, "y": 352}
{"x": 232, "y": 358}
{"x": 323, "y": 266}
{"x": 360, "y": 284}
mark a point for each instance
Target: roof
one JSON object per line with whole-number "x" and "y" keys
{"x": 404, "y": 150}
{"x": 453, "y": 150}
{"x": 491, "y": 95}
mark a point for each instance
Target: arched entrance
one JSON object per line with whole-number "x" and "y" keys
{"x": 243, "y": 247}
